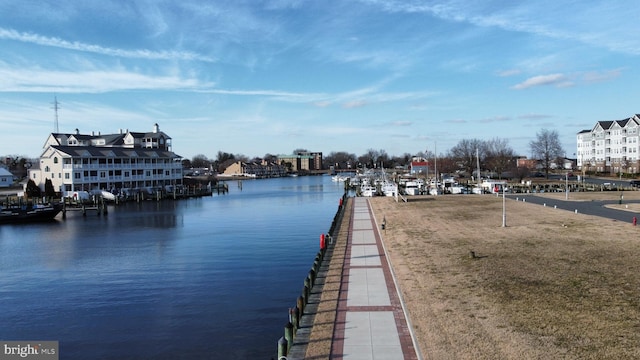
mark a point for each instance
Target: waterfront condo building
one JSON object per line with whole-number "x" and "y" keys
{"x": 126, "y": 160}
{"x": 610, "y": 146}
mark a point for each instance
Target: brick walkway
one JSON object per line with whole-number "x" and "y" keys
{"x": 370, "y": 321}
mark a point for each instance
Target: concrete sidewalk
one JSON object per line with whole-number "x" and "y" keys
{"x": 370, "y": 322}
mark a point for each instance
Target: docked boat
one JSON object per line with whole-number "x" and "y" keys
{"x": 389, "y": 188}
{"x": 28, "y": 213}
{"x": 412, "y": 188}
{"x": 368, "y": 190}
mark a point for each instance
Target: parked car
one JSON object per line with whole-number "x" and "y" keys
{"x": 634, "y": 183}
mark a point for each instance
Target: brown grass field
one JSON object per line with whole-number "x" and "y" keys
{"x": 552, "y": 284}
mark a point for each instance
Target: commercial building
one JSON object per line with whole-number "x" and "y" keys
{"x": 125, "y": 160}
{"x": 302, "y": 162}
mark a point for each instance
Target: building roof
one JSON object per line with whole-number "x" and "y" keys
{"x": 419, "y": 163}
{"x": 5, "y": 172}
{"x": 106, "y": 152}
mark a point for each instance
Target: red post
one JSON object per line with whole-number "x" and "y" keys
{"x": 340, "y": 202}
{"x": 322, "y": 244}
{"x": 634, "y": 221}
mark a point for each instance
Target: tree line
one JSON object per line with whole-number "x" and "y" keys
{"x": 494, "y": 155}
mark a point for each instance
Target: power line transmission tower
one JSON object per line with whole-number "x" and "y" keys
{"x": 56, "y": 107}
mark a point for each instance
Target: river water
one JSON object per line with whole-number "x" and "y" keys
{"x": 201, "y": 278}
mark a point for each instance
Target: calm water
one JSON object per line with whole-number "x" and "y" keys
{"x": 192, "y": 279}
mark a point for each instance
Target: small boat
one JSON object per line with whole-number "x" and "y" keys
{"x": 389, "y": 189}
{"x": 368, "y": 190}
{"x": 28, "y": 213}
{"x": 412, "y": 188}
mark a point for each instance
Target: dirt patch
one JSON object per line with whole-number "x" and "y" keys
{"x": 551, "y": 284}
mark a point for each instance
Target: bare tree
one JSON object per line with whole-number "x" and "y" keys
{"x": 370, "y": 158}
{"x": 500, "y": 156}
{"x": 465, "y": 153}
{"x": 200, "y": 161}
{"x": 546, "y": 148}
{"x": 341, "y": 159}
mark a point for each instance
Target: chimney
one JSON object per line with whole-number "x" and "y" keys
{"x": 77, "y": 131}
{"x": 156, "y": 128}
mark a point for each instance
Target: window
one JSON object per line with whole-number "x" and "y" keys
{"x": 55, "y": 160}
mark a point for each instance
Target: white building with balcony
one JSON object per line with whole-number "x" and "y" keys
{"x": 126, "y": 160}
{"x": 610, "y": 146}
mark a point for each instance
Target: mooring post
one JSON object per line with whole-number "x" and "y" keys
{"x": 306, "y": 291}
{"x": 300, "y": 307}
{"x": 312, "y": 276}
{"x": 296, "y": 318}
{"x": 288, "y": 335}
{"x": 282, "y": 347}
{"x": 293, "y": 318}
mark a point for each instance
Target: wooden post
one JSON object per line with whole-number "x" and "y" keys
{"x": 295, "y": 318}
{"x": 288, "y": 335}
{"x": 306, "y": 291}
{"x": 282, "y": 347}
{"x": 312, "y": 277}
{"x": 300, "y": 307}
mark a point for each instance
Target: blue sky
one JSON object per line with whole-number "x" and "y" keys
{"x": 255, "y": 77}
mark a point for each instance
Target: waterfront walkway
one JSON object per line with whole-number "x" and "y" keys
{"x": 355, "y": 311}
{"x": 370, "y": 321}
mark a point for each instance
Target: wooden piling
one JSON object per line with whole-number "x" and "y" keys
{"x": 300, "y": 306}
{"x": 288, "y": 335}
{"x": 282, "y": 347}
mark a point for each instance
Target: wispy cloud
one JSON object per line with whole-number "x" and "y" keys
{"x": 601, "y": 76}
{"x": 9, "y": 34}
{"x": 558, "y": 80}
{"x": 495, "y": 119}
{"x": 401, "y": 123}
{"x": 90, "y": 81}
{"x": 322, "y": 104}
{"x": 597, "y": 24}
{"x": 534, "y": 116}
{"x": 507, "y": 73}
{"x": 354, "y": 104}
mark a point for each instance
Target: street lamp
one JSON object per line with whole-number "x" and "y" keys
{"x": 566, "y": 186}
{"x": 504, "y": 208}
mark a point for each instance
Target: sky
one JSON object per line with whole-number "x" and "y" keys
{"x": 256, "y": 77}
